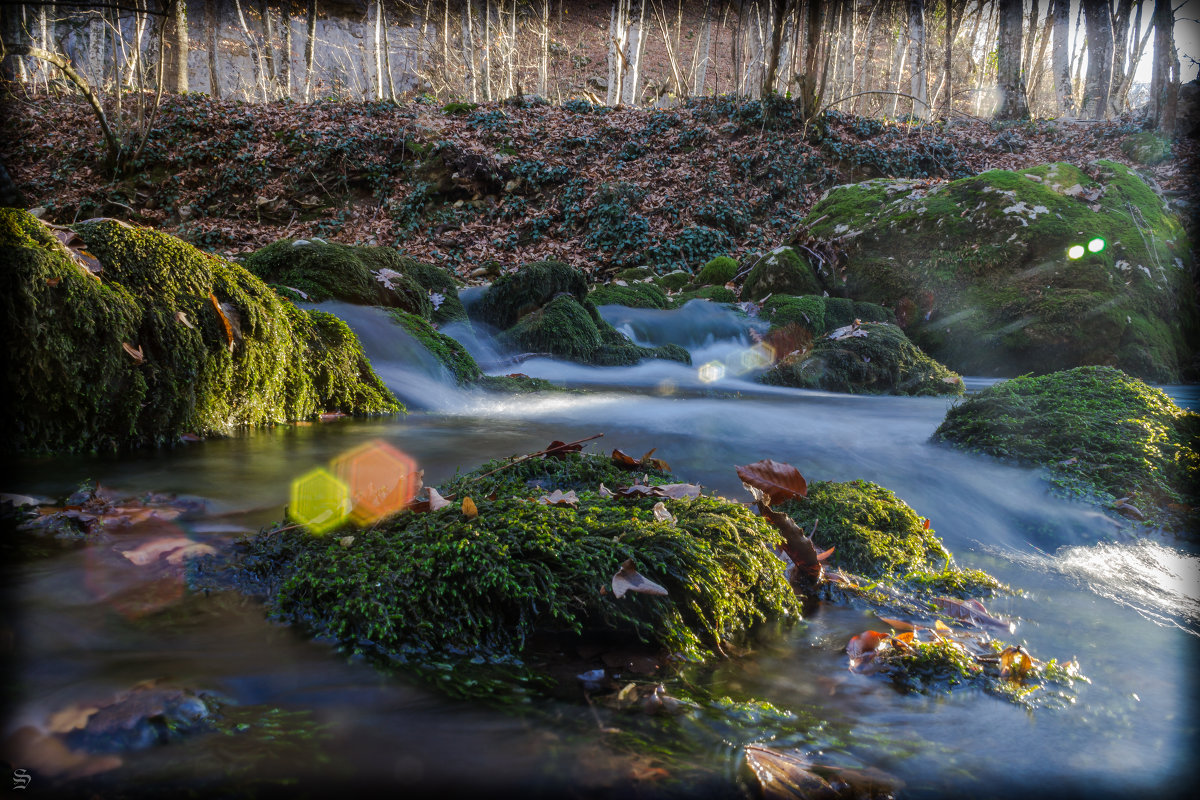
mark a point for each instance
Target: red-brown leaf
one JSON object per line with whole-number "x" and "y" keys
{"x": 778, "y": 481}
{"x": 557, "y": 449}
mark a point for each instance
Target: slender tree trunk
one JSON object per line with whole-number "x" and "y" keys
{"x": 255, "y": 54}
{"x": 1122, "y": 91}
{"x": 1008, "y": 70}
{"x": 779, "y": 14}
{"x": 310, "y": 48}
{"x": 544, "y": 69}
{"x": 468, "y": 46}
{"x": 268, "y": 48}
{"x": 1027, "y": 59}
{"x": 981, "y": 78}
{"x": 211, "y": 30}
{"x": 1120, "y": 25}
{"x": 916, "y": 41}
{"x": 898, "y": 60}
{"x": 1100, "y": 54}
{"x": 705, "y": 46}
{"x": 377, "y": 40}
{"x": 177, "y": 37}
{"x": 285, "y": 58}
{"x": 634, "y": 46}
{"x": 387, "y": 57}
{"x": 1164, "y": 81}
{"x": 1039, "y": 62}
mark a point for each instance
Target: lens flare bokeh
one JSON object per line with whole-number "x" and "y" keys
{"x": 380, "y": 479}
{"x": 319, "y": 501}
{"x": 712, "y": 372}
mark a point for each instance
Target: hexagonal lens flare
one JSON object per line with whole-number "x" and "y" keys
{"x": 712, "y": 372}
{"x": 319, "y": 501}
{"x": 380, "y": 479}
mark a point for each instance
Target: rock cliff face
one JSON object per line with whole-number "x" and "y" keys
{"x": 1009, "y": 272}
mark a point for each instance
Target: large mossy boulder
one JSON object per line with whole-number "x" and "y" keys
{"x": 166, "y": 340}
{"x": 1099, "y": 432}
{"x": 444, "y": 587}
{"x": 818, "y": 314}
{"x": 545, "y": 308}
{"x": 449, "y": 351}
{"x": 366, "y": 275}
{"x": 780, "y": 271}
{"x": 631, "y": 295}
{"x": 981, "y": 274}
{"x": 872, "y": 358}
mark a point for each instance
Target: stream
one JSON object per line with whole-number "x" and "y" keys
{"x": 1128, "y": 610}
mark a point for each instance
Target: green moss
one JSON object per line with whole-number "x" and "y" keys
{"x": 447, "y": 350}
{"x": 325, "y": 271}
{"x": 717, "y": 294}
{"x": 718, "y": 272}
{"x": 75, "y": 388}
{"x": 521, "y": 384}
{"x": 978, "y": 271}
{"x": 882, "y": 362}
{"x": 562, "y": 328}
{"x": 808, "y": 312}
{"x": 534, "y": 285}
{"x": 1146, "y": 148}
{"x": 872, "y": 312}
{"x": 1098, "y": 431}
{"x": 674, "y": 281}
{"x": 839, "y": 312}
{"x": 782, "y": 271}
{"x": 429, "y": 586}
{"x": 435, "y": 280}
{"x": 632, "y": 274}
{"x": 875, "y": 534}
{"x": 636, "y": 295}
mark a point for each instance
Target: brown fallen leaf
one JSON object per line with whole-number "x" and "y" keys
{"x": 52, "y": 282}
{"x": 797, "y": 543}
{"x": 654, "y": 463}
{"x": 972, "y": 611}
{"x": 182, "y": 317}
{"x": 226, "y": 325}
{"x": 436, "y": 501}
{"x": 661, "y": 514}
{"x": 778, "y": 482}
{"x": 134, "y": 352}
{"x": 1015, "y": 662}
{"x": 623, "y": 459}
{"x": 897, "y": 624}
{"x": 468, "y": 508}
{"x": 628, "y": 579}
{"x": 604, "y": 491}
{"x": 174, "y": 548}
{"x": 785, "y": 776}
{"x": 1125, "y": 508}
{"x": 559, "y": 450}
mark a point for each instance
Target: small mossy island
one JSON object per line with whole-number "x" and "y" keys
{"x": 125, "y": 337}
{"x": 545, "y": 308}
{"x": 1099, "y": 432}
{"x": 981, "y": 273}
{"x": 872, "y": 358}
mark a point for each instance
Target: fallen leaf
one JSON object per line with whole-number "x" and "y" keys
{"x": 468, "y": 508}
{"x": 654, "y": 463}
{"x": 346, "y": 541}
{"x": 175, "y": 548}
{"x": 925, "y": 523}
{"x": 865, "y": 642}
{"x": 972, "y": 611}
{"x": 1124, "y": 507}
{"x": 623, "y": 459}
{"x": 897, "y": 624}
{"x": 227, "y": 327}
{"x": 778, "y": 481}
{"x": 559, "y": 498}
{"x": 181, "y": 316}
{"x": 628, "y": 579}
{"x": 785, "y": 776}
{"x": 1015, "y": 662}
{"x": 53, "y": 281}
{"x": 797, "y": 543}
{"x": 557, "y": 449}
{"x": 661, "y": 514}
{"x": 190, "y": 437}
{"x": 134, "y": 352}
{"x": 436, "y": 501}
{"x": 604, "y": 491}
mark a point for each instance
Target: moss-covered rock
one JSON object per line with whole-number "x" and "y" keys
{"x": 718, "y": 272}
{"x": 634, "y": 295}
{"x": 516, "y": 384}
{"x": 561, "y": 328}
{"x": 780, "y": 271}
{"x": 327, "y": 271}
{"x": 980, "y": 275}
{"x": 169, "y": 340}
{"x": 528, "y": 289}
{"x": 877, "y": 536}
{"x": 1146, "y": 148}
{"x": 442, "y": 586}
{"x": 807, "y": 311}
{"x": 875, "y": 358}
{"x": 717, "y": 294}
{"x": 449, "y": 351}
{"x": 675, "y": 280}
{"x": 1098, "y": 431}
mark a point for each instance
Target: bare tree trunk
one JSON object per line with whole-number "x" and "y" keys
{"x": 1027, "y": 59}
{"x": 468, "y": 47}
{"x": 285, "y": 60}
{"x": 634, "y": 46}
{"x": 387, "y": 57}
{"x": 1060, "y": 59}
{"x": 214, "y": 73}
{"x": 544, "y": 67}
{"x": 310, "y": 48}
{"x": 1164, "y": 81}
{"x": 981, "y": 78}
{"x": 618, "y": 39}
{"x": 898, "y": 59}
{"x": 1008, "y": 69}
{"x": 177, "y": 38}
{"x": 1100, "y": 54}
{"x": 705, "y": 46}
{"x": 1120, "y": 26}
{"x": 377, "y": 41}
{"x": 1122, "y": 92}
{"x": 511, "y": 52}
{"x": 1039, "y": 62}
{"x": 269, "y": 48}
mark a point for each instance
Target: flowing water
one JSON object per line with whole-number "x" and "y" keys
{"x": 1128, "y": 611}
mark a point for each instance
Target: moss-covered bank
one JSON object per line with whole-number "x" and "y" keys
{"x": 981, "y": 273}
{"x": 1098, "y": 431}
{"x": 166, "y": 340}
{"x": 873, "y": 358}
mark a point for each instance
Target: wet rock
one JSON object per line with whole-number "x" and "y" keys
{"x": 783, "y": 271}
{"x": 982, "y": 275}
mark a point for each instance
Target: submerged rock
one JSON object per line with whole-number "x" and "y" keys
{"x": 366, "y": 275}
{"x": 129, "y": 337}
{"x": 1099, "y": 432}
{"x": 872, "y": 358}
{"x": 982, "y": 273}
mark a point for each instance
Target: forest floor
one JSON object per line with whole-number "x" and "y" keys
{"x": 497, "y": 185}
